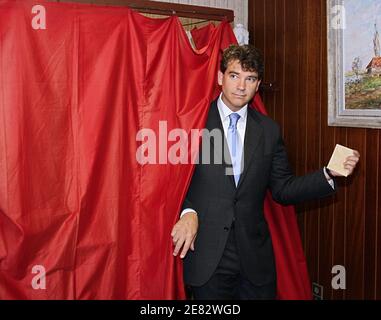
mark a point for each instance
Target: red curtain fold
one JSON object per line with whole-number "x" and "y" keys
{"x": 73, "y": 197}
{"x": 201, "y": 35}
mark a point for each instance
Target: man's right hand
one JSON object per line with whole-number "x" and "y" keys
{"x": 184, "y": 233}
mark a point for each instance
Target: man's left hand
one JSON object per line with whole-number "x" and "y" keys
{"x": 349, "y": 164}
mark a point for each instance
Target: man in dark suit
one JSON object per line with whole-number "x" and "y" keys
{"x": 232, "y": 255}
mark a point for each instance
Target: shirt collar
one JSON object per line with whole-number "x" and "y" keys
{"x": 226, "y": 112}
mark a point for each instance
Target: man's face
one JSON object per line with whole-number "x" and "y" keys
{"x": 238, "y": 86}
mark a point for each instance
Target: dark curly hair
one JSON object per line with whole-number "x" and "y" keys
{"x": 249, "y": 57}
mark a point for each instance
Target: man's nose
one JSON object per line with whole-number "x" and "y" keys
{"x": 242, "y": 84}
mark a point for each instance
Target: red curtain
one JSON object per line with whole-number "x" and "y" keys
{"x": 73, "y": 198}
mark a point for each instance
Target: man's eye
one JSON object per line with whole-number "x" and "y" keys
{"x": 252, "y": 79}
{"x": 233, "y": 76}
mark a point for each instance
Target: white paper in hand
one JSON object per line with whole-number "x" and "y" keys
{"x": 338, "y": 158}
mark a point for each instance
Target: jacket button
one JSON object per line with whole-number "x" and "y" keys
{"x": 235, "y": 201}
{"x": 226, "y": 229}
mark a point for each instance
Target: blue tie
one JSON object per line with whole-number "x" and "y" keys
{"x": 234, "y": 146}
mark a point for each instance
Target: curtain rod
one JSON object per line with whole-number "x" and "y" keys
{"x": 165, "y": 8}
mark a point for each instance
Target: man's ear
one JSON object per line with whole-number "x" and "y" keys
{"x": 220, "y": 77}
{"x": 258, "y": 84}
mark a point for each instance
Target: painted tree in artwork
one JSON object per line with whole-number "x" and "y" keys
{"x": 356, "y": 66}
{"x": 376, "y": 42}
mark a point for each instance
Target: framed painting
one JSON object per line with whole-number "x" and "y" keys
{"x": 354, "y": 63}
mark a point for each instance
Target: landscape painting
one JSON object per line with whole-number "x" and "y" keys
{"x": 354, "y": 63}
{"x": 362, "y": 58}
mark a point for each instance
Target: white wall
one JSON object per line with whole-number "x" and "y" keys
{"x": 240, "y": 7}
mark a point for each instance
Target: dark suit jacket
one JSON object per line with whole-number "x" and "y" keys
{"x": 218, "y": 201}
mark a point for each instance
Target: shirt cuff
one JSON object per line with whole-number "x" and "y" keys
{"x": 187, "y": 210}
{"x": 329, "y": 179}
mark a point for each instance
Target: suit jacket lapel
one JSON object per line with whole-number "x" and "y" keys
{"x": 253, "y": 136}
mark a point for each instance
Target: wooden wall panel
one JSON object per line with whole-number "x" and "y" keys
{"x": 310, "y": 104}
{"x": 355, "y": 220}
{"x": 370, "y": 230}
{"x": 326, "y": 147}
{"x": 269, "y": 13}
{"x": 344, "y": 229}
{"x": 278, "y": 112}
{"x": 339, "y": 224}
